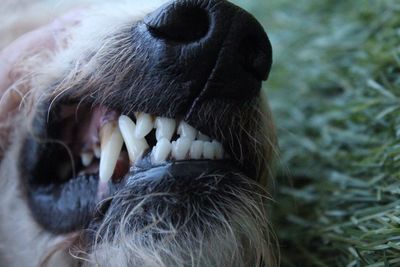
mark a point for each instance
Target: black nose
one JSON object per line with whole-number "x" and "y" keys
{"x": 243, "y": 41}
{"x": 195, "y": 53}
{"x": 180, "y": 22}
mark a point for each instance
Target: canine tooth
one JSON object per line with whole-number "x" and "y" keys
{"x": 196, "y": 149}
{"x": 219, "y": 150}
{"x": 187, "y": 131}
{"x": 135, "y": 146}
{"x": 86, "y": 158}
{"x": 203, "y": 137}
{"x": 111, "y": 145}
{"x": 161, "y": 151}
{"x": 144, "y": 124}
{"x": 208, "y": 150}
{"x": 165, "y": 128}
{"x": 180, "y": 148}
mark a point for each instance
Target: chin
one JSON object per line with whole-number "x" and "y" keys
{"x": 144, "y": 140}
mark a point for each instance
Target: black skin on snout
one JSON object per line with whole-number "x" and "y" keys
{"x": 196, "y": 51}
{"x": 190, "y": 58}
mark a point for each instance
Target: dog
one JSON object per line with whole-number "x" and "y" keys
{"x": 144, "y": 139}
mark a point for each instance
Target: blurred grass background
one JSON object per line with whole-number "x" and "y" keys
{"x": 334, "y": 91}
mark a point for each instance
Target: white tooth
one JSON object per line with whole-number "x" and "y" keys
{"x": 187, "y": 131}
{"x": 111, "y": 145}
{"x": 196, "y": 149}
{"x": 97, "y": 151}
{"x": 144, "y": 124}
{"x": 219, "y": 150}
{"x": 208, "y": 150}
{"x": 165, "y": 128}
{"x": 203, "y": 137}
{"x": 135, "y": 146}
{"x": 161, "y": 151}
{"x": 180, "y": 148}
{"x": 86, "y": 158}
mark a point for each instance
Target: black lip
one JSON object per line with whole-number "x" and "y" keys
{"x": 67, "y": 207}
{"x": 59, "y": 206}
{"x": 185, "y": 169}
{"x": 176, "y": 171}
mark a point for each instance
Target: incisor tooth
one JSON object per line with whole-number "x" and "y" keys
{"x": 165, "y": 128}
{"x": 180, "y": 148}
{"x": 111, "y": 145}
{"x": 208, "y": 150}
{"x": 86, "y": 158}
{"x": 219, "y": 150}
{"x": 196, "y": 149}
{"x": 160, "y": 151}
{"x": 203, "y": 137}
{"x": 135, "y": 146}
{"x": 144, "y": 124}
{"x": 187, "y": 131}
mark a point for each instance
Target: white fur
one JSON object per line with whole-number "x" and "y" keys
{"x": 241, "y": 241}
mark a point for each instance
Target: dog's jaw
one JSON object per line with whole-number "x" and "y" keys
{"x": 133, "y": 235}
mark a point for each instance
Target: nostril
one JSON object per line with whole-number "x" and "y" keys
{"x": 254, "y": 56}
{"x": 179, "y": 23}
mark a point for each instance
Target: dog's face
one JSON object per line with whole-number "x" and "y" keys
{"x": 144, "y": 141}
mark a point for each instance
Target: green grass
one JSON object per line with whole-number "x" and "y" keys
{"x": 335, "y": 94}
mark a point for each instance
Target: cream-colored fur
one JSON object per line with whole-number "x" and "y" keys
{"x": 22, "y": 241}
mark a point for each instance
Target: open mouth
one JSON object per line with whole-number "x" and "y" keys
{"x": 104, "y": 143}
{"x": 85, "y": 153}
{"x": 119, "y": 114}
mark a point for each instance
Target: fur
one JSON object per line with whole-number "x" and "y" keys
{"x": 239, "y": 234}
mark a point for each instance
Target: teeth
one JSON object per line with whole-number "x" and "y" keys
{"x": 208, "y": 150}
{"x": 187, "y": 131}
{"x": 97, "y": 151}
{"x": 111, "y": 145}
{"x": 86, "y": 158}
{"x": 203, "y": 137}
{"x": 196, "y": 149}
{"x": 113, "y": 136}
{"x": 135, "y": 146}
{"x": 180, "y": 148}
{"x": 144, "y": 124}
{"x": 219, "y": 150}
{"x": 165, "y": 128}
{"x": 161, "y": 151}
